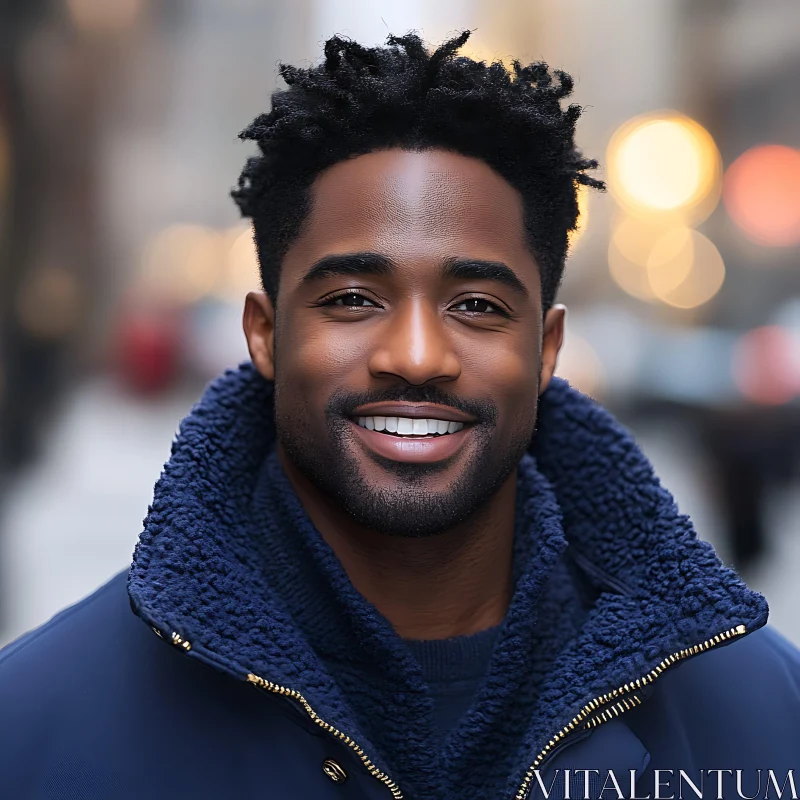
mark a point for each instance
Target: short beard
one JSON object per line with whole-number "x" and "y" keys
{"x": 411, "y": 510}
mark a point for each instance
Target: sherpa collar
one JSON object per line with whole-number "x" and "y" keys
{"x": 199, "y": 571}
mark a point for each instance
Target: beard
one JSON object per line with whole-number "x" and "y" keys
{"x": 409, "y": 507}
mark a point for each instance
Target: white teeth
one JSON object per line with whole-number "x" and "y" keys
{"x": 407, "y": 426}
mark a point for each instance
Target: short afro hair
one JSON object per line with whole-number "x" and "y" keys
{"x": 362, "y": 99}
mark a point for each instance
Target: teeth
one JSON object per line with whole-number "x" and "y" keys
{"x": 407, "y": 426}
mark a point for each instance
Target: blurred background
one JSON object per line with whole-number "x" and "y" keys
{"x": 123, "y": 264}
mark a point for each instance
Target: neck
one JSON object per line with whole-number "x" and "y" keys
{"x": 455, "y": 583}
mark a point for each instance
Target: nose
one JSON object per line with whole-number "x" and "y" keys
{"x": 415, "y": 345}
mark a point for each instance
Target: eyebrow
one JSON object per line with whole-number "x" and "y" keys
{"x": 377, "y": 264}
{"x": 477, "y": 269}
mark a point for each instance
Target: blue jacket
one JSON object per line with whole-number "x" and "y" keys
{"x": 251, "y": 668}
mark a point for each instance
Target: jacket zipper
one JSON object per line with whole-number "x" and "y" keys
{"x": 590, "y": 716}
{"x": 295, "y": 695}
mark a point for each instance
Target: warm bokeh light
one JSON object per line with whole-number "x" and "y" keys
{"x": 670, "y": 261}
{"x": 685, "y": 269}
{"x": 579, "y": 363}
{"x": 664, "y": 163}
{"x": 48, "y": 302}
{"x": 182, "y": 263}
{"x": 762, "y": 194}
{"x": 100, "y": 17}
{"x": 575, "y": 235}
{"x": 766, "y": 365}
{"x": 628, "y": 251}
{"x": 240, "y": 271}
{"x": 675, "y": 265}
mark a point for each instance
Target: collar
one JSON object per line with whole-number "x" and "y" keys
{"x": 201, "y": 570}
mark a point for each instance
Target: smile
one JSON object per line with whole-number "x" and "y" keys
{"x": 409, "y": 442}
{"x": 406, "y": 426}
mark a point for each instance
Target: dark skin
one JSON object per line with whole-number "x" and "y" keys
{"x": 475, "y": 339}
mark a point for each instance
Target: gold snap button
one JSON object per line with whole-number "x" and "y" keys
{"x": 334, "y": 771}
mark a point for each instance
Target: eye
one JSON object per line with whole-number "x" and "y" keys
{"x": 349, "y": 299}
{"x": 478, "y": 305}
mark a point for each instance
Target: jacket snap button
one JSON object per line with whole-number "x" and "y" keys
{"x": 333, "y": 771}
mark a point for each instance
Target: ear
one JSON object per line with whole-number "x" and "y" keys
{"x": 552, "y": 339}
{"x": 258, "y": 322}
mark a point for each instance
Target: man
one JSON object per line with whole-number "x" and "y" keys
{"x": 394, "y": 556}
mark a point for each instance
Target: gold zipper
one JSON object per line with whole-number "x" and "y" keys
{"x": 175, "y": 639}
{"x": 592, "y": 714}
{"x": 373, "y": 770}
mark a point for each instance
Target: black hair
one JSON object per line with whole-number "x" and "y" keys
{"x": 362, "y": 99}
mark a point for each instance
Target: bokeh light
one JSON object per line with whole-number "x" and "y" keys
{"x": 766, "y": 365}
{"x": 685, "y": 269}
{"x": 579, "y": 363}
{"x": 675, "y": 265}
{"x": 575, "y": 235}
{"x": 762, "y": 194}
{"x": 181, "y": 263}
{"x": 240, "y": 268}
{"x": 102, "y": 17}
{"x": 664, "y": 163}
{"x": 631, "y": 244}
{"x": 670, "y": 261}
{"x": 48, "y": 302}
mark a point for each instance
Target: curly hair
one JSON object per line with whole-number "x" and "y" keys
{"x": 362, "y": 99}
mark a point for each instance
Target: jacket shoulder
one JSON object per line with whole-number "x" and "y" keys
{"x": 738, "y": 704}
{"x": 87, "y": 619}
{"x": 762, "y": 667}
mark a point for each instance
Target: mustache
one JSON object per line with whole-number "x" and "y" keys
{"x": 342, "y": 402}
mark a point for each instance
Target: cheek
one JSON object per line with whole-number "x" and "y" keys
{"x": 317, "y": 358}
{"x": 510, "y": 373}
{"x": 510, "y": 363}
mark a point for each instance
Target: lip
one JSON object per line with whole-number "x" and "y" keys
{"x": 413, "y": 411}
{"x": 416, "y": 451}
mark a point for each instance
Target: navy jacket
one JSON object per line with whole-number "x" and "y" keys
{"x": 251, "y": 668}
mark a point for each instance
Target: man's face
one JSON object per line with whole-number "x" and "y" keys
{"x": 406, "y": 351}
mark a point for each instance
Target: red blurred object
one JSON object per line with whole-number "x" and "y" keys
{"x": 762, "y": 194}
{"x": 766, "y": 365}
{"x": 150, "y": 345}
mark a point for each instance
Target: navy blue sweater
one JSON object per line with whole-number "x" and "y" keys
{"x": 454, "y": 671}
{"x": 627, "y": 644}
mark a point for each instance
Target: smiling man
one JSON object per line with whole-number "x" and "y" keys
{"x": 393, "y": 556}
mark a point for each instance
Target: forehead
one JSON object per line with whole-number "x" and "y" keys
{"x": 401, "y": 203}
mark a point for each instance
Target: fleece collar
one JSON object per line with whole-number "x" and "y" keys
{"x": 215, "y": 542}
